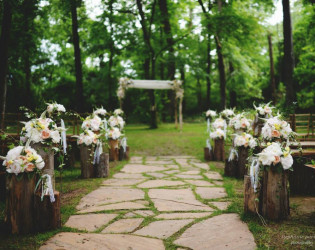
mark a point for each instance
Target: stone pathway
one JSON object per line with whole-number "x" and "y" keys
{"x": 156, "y": 203}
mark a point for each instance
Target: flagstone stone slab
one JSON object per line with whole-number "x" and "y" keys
{"x": 160, "y": 183}
{"x": 160, "y": 162}
{"x": 144, "y": 213}
{"x": 172, "y": 166}
{"x": 182, "y": 215}
{"x": 182, "y": 162}
{"x": 171, "y": 172}
{"x": 122, "y": 182}
{"x": 174, "y": 206}
{"x": 218, "y": 183}
{"x": 176, "y": 157}
{"x": 163, "y": 229}
{"x": 105, "y": 195}
{"x": 211, "y": 192}
{"x": 157, "y": 175}
{"x": 123, "y": 226}
{"x": 214, "y": 176}
{"x": 137, "y": 168}
{"x": 129, "y": 176}
{"x": 193, "y": 172}
{"x": 83, "y": 241}
{"x": 116, "y": 206}
{"x": 188, "y": 176}
{"x": 89, "y": 222}
{"x": 143, "y": 202}
{"x": 200, "y": 183}
{"x": 224, "y": 231}
{"x": 201, "y": 165}
{"x": 222, "y": 205}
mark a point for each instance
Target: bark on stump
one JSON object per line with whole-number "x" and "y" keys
{"x": 275, "y": 197}
{"x": 2, "y": 186}
{"x": 208, "y": 154}
{"x": 230, "y": 168}
{"x": 48, "y": 156}
{"x": 242, "y": 162}
{"x": 113, "y": 150}
{"x": 124, "y": 155}
{"x": 102, "y": 168}
{"x": 86, "y": 156}
{"x": 19, "y": 211}
{"x": 218, "y": 151}
{"x": 251, "y": 199}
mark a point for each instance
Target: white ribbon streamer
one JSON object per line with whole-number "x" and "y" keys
{"x": 123, "y": 143}
{"x": 64, "y": 137}
{"x": 208, "y": 125}
{"x": 233, "y": 154}
{"x": 47, "y": 188}
{"x": 254, "y": 172}
{"x": 208, "y": 144}
{"x": 97, "y": 153}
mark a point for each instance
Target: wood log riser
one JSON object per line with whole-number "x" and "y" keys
{"x": 86, "y": 156}
{"x": 242, "y": 162}
{"x": 218, "y": 152}
{"x": 102, "y": 169}
{"x": 208, "y": 154}
{"x": 124, "y": 155}
{"x": 113, "y": 150}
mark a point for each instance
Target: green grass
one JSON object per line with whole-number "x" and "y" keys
{"x": 168, "y": 141}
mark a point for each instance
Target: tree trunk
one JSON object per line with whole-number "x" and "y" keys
{"x": 208, "y": 154}
{"x": 4, "y": 53}
{"x": 19, "y": 213}
{"x": 47, "y": 214}
{"x": 77, "y": 57}
{"x": 251, "y": 199}
{"x": 86, "y": 156}
{"x": 113, "y": 150}
{"x": 221, "y": 68}
{"x": 199, "y": 94}
{"x": 111, "y": 57}
{"x": 242, "y": 161}
{"x": 288, "y": 53}
{"x": 233, "y": 95}
{"x": 124, "y": 155}
{"x": 275, "y": 196}
{"x": 272, "y": 71}
{"x": 102, "y": 169}
{"x": 2, "y": 185}
{"x": 230, "y": 168}
{"x": 218, "y": 151}
{"x": 208, "y": 70}
{"x": 182, "y": 78}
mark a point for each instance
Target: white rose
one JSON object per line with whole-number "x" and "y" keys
{"x": 239, "y": 141}
{"x": 118, "y": 112}
{"x": 266, "y": 131}
{"x": 34, "y": 135}
{"x": 252, "y": 143}
{"x": 55, "y": 136}
{"x": 13, "y": 153}
{"x": 40, "y": 164}
{"x": 287, "y": 162}
{"x": 61, "y": 108}
{"x": 266, "y": 158}
{"x": 50, "y": 108}
{"x": 15, "y": 168}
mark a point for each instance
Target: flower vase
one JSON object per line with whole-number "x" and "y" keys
{"x": 113, "y": 150}
{"x": 275, "y": 196}
{"x": 86, "y": 157}
{"x": 47, "y": 154}
{"x": 218, "y": 151}
{"x": 242, "y": 162}
{"x": 19, "y": 210}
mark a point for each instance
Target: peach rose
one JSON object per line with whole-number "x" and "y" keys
{"x": 45, "y": 134}
{"x": 277, "y": 160}
{"x": 275, "y": 133}
{"x": 30, "y": 167}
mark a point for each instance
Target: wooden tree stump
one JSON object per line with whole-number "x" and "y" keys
{"x": 124, "y": 155}
{"x": 102, "y": 169}
{"x": 230, "y": 168}
{"x": 208, "y": 154}
{"x": 251, "y": 199}
{"x": 87, "y": 168}
{"x": 47, "y": 154}
{"x": 113, "y": 150}
{"x": 47, "y": 214}
{"x": 19, "y": 211}
{"x": 242, "y": 162}
{"x": 2, "y": 185}
{"x": 218, "y": 151}
{"x": 275, "y": 197}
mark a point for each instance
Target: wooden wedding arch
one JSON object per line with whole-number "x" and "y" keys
{"x": 176, "y": 85}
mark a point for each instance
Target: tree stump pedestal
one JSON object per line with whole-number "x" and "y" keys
{"x": 2, "y": 185}
{"x": 275, "y": 196}
{"x": 218, "y": 151}
{"x": 86, "y": 156}
{"x": 124, "y": 155}
{"x": 208, "y": 154}
{"x": 47, "y": 214}
{"x": 230, "y": 168}
{"x": 19, "y": 210}
{"x": 242, "y": 162}
{"x": 113, "y": 150}
{"x": 251, "y": 199}
{"x": 102, "y": 168}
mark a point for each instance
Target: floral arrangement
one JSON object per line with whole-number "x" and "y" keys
{"x": 100, "y": 112}
{"x": 55, "y": 108}
{"x": 114, "y": 133}
{"x": 245, "y": 140}
{"x": 240, "y": 122}
{"x": 275, "y": 154}
{"x": 276, "y": 128}
{"x": 218, "y": 134}
{"x": 219, "y": 123}
{"x": 41, "y": 130}
{"x": 22, "y": 159}
{"x": 92, "y": 122}
{"x": 264, "y": 110}
{"x": 118, "y": 112}
{"x": 177, "y": 87}
{"x": 124, "y": 82}
{"x": 227, "y": 113}
{"x": 116, "y": 121}
{"x": 211, "y": 114}
{"x": 87, "y": 138}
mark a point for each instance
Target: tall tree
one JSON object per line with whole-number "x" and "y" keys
{"x": 272, "y": 71}
{"x": 77, "y": 55}
{"x": 288, "y": 53}
{"x": 4, "y": 46}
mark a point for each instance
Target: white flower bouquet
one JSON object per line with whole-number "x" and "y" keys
{"x": 219, "y": 123}
{"x": 100, "y": 112}
{"x": 92, "y": 122}
{"x": 218, "y": 134}
{"x": 41, "y": 130}
{"x": 211, "y": 114}
{"x": 116, "y": 121}
{"x": 55, "y": 108}
{"x": 275, "y": 154}
{"x": 245, "y": 140}
{"x": 227, "y": 113}
{"x": 264, "y": 110}
{"x": 118, "y": 112}
{"x": 240, "y": 122}
{"x": 275, "y": 128}
{"x": 114, "y": 133}
{"x": 87, "y": 138}
{"x": 23, "y": 159}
